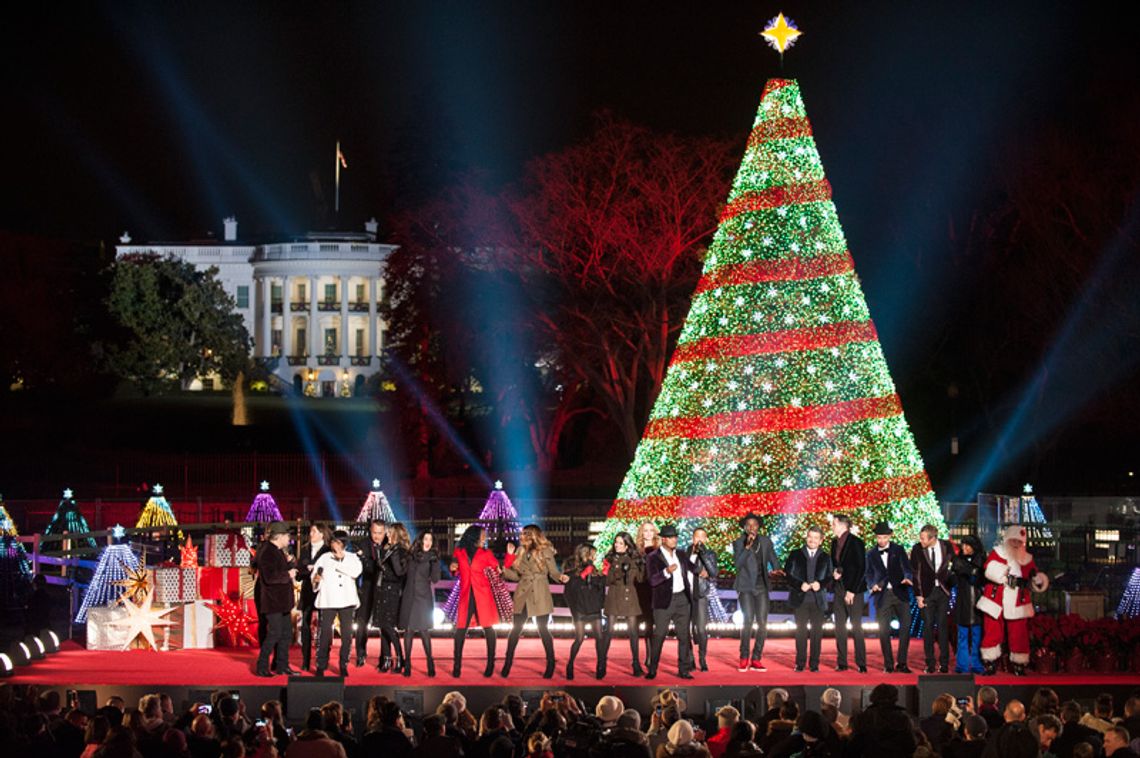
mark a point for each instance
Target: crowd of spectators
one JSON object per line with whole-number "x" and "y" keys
{"x": 38, "y": 723}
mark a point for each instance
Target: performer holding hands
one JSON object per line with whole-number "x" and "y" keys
{"x": 585, "y": 596}
{"x": 318, "y": 545}
{"x": 624, "y": 568}
{"x": 755, "y": 559}
{"x": 333, "y": 577}
{"x": 476, "y": 601}
{"x": 530, "y": 566}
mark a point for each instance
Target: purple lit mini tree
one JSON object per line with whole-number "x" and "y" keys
{"x": 264, "y": 508}
{"x": 501, "y": 521}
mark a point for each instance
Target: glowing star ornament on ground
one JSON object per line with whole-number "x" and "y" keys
{"x": 136, "y": 584}
{"x": 781, "y": 33}
{"x": 234, "y": 621}
{"x": 141, "y": 620}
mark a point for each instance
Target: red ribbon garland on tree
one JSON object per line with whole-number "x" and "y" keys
{"x": 742, "y": 345}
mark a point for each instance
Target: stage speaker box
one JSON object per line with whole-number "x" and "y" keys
{"x": 930, "y": 686}
{"x": 305, "y": 693}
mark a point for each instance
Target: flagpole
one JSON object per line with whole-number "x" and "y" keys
{"x": 336, "y": 164}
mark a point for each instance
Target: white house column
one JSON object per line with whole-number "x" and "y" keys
{"x": 266, "y": 317}
{"x": 371, "y": 318}
{"x": 314, "y": 340}
{"x": 287, "y": 318}
{"x": 344, "y": 316}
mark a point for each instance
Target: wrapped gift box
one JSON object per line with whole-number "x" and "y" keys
{"x": 197, "y": 628}
{"x": 228, "y": 549}
{"x": 101, "y": 634}
{"x": 215, "y": 582}
{"x": 174, "y": 584}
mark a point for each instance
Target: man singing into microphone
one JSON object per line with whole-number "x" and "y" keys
{"x": 755, "y": 558}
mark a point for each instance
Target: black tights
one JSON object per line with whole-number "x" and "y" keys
{"x": 461, "y": 637}
{"x": 390, "y": 637}
{"x": 425, "y": 638}
{"x": 600, "y": 633}
{"x": 633, "y": 634}
{"x": 543, "y": 623}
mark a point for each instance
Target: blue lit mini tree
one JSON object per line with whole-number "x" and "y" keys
{"x": 69, "y": 519}
{"x": 115, "y": 563}
{"x": 1129, "y": 607}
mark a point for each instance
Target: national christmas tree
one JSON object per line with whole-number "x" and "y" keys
{"x": 157, "y": 512}
{"x": 116, "y": 565}
{"x": 264, "y": 507}
{"x": 375, "y": 507}
{"x": 777, "y": 399}
{"x": 68, "y": 518}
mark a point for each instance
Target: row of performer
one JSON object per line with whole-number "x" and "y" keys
{"x": 644, "y": 584}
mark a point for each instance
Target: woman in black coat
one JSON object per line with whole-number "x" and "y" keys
{"x": 968, "y": 567}
{"x": 417, "y": 607}
{"x": 585, "y": 595}
{"x": 393, "y": 565}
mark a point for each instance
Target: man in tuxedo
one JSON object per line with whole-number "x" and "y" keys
{"x": 849, "y": 559}
{"x": 755, "y": 558}
{"x": 889, "y": 576}
{"x": 668, "y": 572}
{"x": 370, "y": 554}
{"x": 930, "y": 559}
{"x": 809, "y": 571}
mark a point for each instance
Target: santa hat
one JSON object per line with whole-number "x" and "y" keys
{"x": 1014, "y": 532}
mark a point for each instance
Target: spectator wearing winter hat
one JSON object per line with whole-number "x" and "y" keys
{"x": 726, "y": 718}
{"x": 624, "y": 740}
{"x": 972, "y": 741}
{"x": 682, "y": 743}
{"x": 608, "y": 710}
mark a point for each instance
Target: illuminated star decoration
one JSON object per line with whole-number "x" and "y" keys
{"x": 498, "y": 484}
{"x": 1027, "y": 489}
{"x": 234, "y": 620}
{"x": 158, "y": 489}
{"x": 376, "y": 484}
{"x": 264, "y": 485}
{"x": 781, "y": 33}
{"x": 136, "y": 584}
{"x": 68, "y": 493}
{"x": 141, "y": 619}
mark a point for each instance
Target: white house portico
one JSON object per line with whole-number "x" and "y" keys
{"x": 310, "y": 304}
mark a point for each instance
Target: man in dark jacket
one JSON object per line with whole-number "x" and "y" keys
{"x": 931, "y": 560}
{"x": 755, "y": 558}
{"x": 668, "y": 573}
{"x": 436, "y": 744}
{"x": 369, "y": 553}
{"x": 275, "y": 597}
{"x": 849, "y": 559}
{"x": 972, "y": 742}
{"x": 1073, "y": 731}
{"x": 705, "y": 569}
{"x": 390, "y": 739}
{"x": 884, "y": 730}
{"x": 889, "y": 576}
{"x": 809, "y": 571}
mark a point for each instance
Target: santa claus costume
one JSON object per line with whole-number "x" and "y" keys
{"x": 1006, "y": 601}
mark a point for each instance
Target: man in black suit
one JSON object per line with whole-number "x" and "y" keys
{"x": 275, "y": 576}
{"x": 668, "y": 573}
{"x": 703, "y": 583}
{"x": 809, "y": 571}
{"x": 370, "y": 554}
{"x": 849, "y": 559}
{"x": 755, "y": 558}
{"x": 889, "y": 576}
{"x": 930, "y": 558}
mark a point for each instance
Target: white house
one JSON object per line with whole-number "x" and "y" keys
{"x": 309, "y": 303}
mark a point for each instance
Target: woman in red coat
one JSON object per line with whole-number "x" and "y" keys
{"x": 476, "y": 603}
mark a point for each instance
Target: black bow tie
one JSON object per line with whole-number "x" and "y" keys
{"x": 884, "y": 550}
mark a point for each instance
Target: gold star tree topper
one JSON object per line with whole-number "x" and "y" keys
{"x": 781, "y": 33}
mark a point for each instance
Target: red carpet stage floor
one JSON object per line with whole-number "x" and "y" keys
{"x": 233, "y": 667}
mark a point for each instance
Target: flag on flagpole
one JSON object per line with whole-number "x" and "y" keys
{"x": 340, "y": 157}
{"x": 338, "y": 163}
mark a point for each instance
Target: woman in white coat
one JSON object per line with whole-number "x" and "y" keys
{"x": 334, "y": 579}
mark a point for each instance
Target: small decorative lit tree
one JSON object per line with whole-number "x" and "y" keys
{"x": 264, "y": 508}
{"x": 376, "y": 507}
{"x": 157, "y": 512}
{"x": 15, "y": 568}
{"x": 116, "y": 565}
{"x": 68, "y": 519}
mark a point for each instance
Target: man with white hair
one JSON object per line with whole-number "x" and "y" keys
{"x": 834, "y": 697}
{"x": 1011, "y": 576}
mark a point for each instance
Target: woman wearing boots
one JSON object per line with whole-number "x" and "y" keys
{"x": 968, "y": 567}
{"x": 624, "y": 568}
{"x": 648, "y": 540}
{"x": 393, "y": 565}
{"x": 418, "y": 603}
{"x": 476, "y": 601}
{"x": 530, "y": 565}
{"x": 307, "y": 555}
{"x": 585, "y": 596}
{"x": 334, "y": 577}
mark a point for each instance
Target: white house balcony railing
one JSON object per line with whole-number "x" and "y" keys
{"x": 328, "y": 360}
{"x": 328, "y": 305}
{"x": 299, "y": 306}
{"x": 303, "y": 251}
{"x": 358, "y": 305}
{"x": 298, "y": 360}
{"x": 361, "y": 360}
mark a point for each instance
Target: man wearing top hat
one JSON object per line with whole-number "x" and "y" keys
{"x": 755, "y": 558}
{"x": 889, "y": 577}
{"x": 275, "y": 578}
{"x": 668, "y": 573}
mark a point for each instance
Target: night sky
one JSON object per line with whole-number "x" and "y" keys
{"x": 161, "y": 118}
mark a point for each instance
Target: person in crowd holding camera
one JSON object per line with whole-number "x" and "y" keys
{"x": 334, "y": 579}
{"x": 531, "y": 565}
{"x": 585, "y": 596}
{"x": 624, "y": 568}
{"x": 417, "y": 606}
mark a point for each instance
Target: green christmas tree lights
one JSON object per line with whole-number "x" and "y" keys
{"x": 778, "y": 399}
